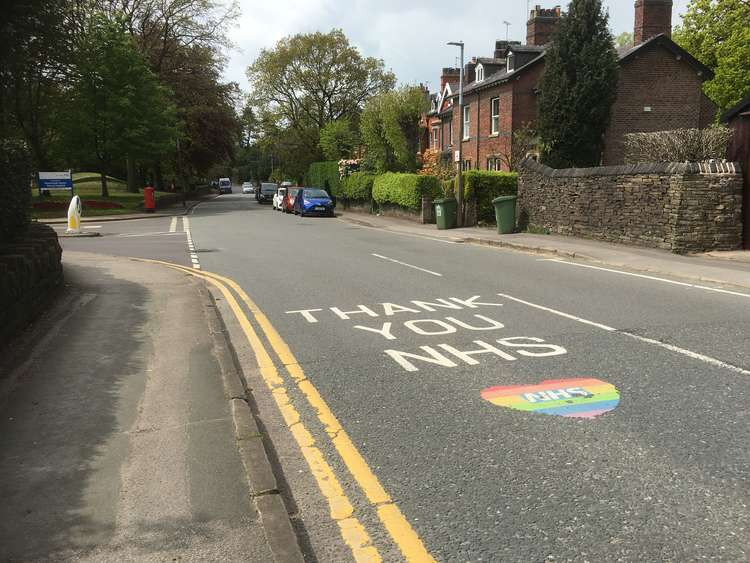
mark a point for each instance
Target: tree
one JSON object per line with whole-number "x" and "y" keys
{"x": 578, "y": 87}
{"x": 338, "y": 140}
{"x": 116, "y": 107}
{"x": 309, "y": 80}
{"x": 390, "y": 128}
{"x": 717, "y": 33}
{"x": 625, "y": 39}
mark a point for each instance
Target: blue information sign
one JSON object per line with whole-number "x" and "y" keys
{"x": 55, "y": 181}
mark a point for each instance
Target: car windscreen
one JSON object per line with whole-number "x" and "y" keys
{"x": 316, "y": 194}
{"x": 268, "y": 188}
{"x": 225, "y": 183}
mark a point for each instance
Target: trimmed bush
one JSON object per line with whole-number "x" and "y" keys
{"x": 324, "y": 175}
{"x": 15, "y": 195}
{"x": 405, "y": 190}
{"x": 483, "y": 186}
{"x": 678, "y": 145}
{"x": 357, "y": 186}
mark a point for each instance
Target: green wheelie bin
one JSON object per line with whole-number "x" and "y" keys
{"x": 445, "y": 213}
{"x": 505, "y": 213}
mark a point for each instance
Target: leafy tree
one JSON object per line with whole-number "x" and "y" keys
{"x": 117, "y": 106}
{"x": 338, "y": 139}
{"x": 390, "y": 128}
{"x": 717, "y": 33}
{"x": 578, "y": 87}
{"x": 309, "y": 80}
{"x": 625, "y": 39}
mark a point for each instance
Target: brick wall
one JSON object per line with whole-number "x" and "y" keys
{"x": 654, "y": 79}
{"x": 684, "y": 207}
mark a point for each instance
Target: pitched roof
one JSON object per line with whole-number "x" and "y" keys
{"x": 661, "y": 40}
{"x": 735, "y": 110}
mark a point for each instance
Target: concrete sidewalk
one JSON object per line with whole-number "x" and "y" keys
{"x": 730, "y": 268}
{"x": 120, "y": 422}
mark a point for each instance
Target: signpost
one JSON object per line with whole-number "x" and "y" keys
{"x": 55, "y": 181}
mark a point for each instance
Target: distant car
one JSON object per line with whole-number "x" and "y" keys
{"x": 225, "y": 186}
{"x": 313, "y": 201}
{"x": 266, "y": 192}
{"x": 287, "y": 204}
{"x": 278, "y": 197}
{"x": 247, "y": 188}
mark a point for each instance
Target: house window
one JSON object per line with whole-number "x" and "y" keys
{"x": 435, "y": 137}
{"x": 495, "y": 115}
{"x": 510, "y": 62}
{"x": 450, "y": 133}
{"x": 493, "y": 163}
{"x": 480, "y": 73}
{"x": 466, "y": 165}
{"x": 467, "y": 122}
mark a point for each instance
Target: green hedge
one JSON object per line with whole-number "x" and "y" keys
{"x": 404, "y": 190}
{"x": 324, "y": 175}
{"x": 485, "y": 185}
{"x": 357, "y": 186}
{"x": 15, "y": 195}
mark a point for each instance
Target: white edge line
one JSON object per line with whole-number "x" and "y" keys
{"x": 647, "y": 277}
{"x": 407, "y": 265}
{"x": 670, "y": 347}
{"x": 386, "y": 230}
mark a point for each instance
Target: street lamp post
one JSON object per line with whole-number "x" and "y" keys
{"x": 460, "y": 187}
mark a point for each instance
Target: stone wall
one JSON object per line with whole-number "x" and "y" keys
{"x": 30, "y": 274}
{"x": 682, "y": 207}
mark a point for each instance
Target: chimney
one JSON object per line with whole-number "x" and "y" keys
{"x": 469, "y": 73}
{"x": 449, "y": 75}
{"x": 502, "y": 48}
{"x": 542, "y": 23}
{"x": 652, "y": 17}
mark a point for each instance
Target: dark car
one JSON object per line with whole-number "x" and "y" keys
{"x": 313, "y": 201}
{"x": 266, "y": 192}
{"x": 287, "y": 204}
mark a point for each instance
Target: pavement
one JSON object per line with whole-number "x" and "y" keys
{"x": 731, "y": 268}
{"x": 125, "y": 431}
{"x": 420, "y": 397}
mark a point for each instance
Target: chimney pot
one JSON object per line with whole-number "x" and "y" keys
{"x": 541, "y": 25}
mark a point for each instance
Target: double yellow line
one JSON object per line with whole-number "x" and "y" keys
{"x": 341, "y": 509}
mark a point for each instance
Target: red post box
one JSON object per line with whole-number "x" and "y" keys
{"x": 149, "y": 199}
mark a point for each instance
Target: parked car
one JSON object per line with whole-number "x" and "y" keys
{"x": 287, "y": 205}
{"x": 266, "y": 192}
{"x": 278, "y": 197}
{"x": 225, "y": 186}
{"x": 247, "y": 188}
{"x": 313, "y": 201}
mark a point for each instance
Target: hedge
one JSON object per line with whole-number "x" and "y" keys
{"x": 485, "y": 185}
{"x": 357, "y": 186}
{"x": 324, "y": 175}
{"x": 405, "y": 190}
{"x": 15, "y": 195}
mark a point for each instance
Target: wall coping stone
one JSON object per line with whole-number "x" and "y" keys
{"x": 682, "y": 168}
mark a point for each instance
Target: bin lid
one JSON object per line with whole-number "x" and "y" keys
{"x": 445, "y": 200}
{"x": 503, "y": 198}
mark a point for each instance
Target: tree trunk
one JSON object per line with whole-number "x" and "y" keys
{"x": 105, "y": 190}
{"x": 158, "y": 178}
{"x": 132, "y": 182}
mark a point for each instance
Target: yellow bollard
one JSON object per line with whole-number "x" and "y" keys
{"x": 74, "y": 215}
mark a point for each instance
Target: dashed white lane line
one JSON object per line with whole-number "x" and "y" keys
{"x": 191, "y": 246}
{"x": 92, "y": 227}
{"x": 647, "y": 277}
{"x": 173, "y": 225}
{"x": 407, "y": 265}
{"x": 670, "y": 347}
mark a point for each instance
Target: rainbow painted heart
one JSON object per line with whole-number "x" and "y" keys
{"x": 581, "y": 397}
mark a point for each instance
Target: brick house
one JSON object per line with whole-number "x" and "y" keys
{"x": 659, "y": 88}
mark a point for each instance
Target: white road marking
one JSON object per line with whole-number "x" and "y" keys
{"x": 670, "y": 347}
{"x": 130, "y": 235}
{"x": 185, "y": 224}
{"x": 407, "y": 265}
{"x": 412, "y": 235}
{"x": 647, "y": 277}
{"x": 191, "y": 246}
{"x": 173, "y": 225}
{"x": 92, "y": 227}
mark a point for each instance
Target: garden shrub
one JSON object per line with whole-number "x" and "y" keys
{"x": 483, "y": 186}
{"x": 405, "y": 190}
{"x": 357, "y": 186}
{"x": 324, "y": 175}
{"x": 678, "y": 145}
{"x": 15, "y": 194}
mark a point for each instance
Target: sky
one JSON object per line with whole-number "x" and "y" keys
{"x": 409, "y": 35}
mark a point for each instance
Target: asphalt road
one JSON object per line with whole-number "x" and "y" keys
{"x": 402, "y": 335}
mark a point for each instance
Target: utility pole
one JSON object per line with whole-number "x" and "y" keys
{"x": 460, "y": 187}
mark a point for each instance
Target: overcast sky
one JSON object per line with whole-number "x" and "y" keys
{"x": 409, "y": 35}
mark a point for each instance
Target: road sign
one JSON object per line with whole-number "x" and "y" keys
{"x": 55, "y": 181}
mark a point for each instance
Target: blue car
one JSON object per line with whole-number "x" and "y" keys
{"x": 313, "y": 201}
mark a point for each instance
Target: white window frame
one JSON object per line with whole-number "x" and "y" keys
{"x": 450, "y": 133}
{"x": 435, "y": 137}
{"x": 467, "y": 122}
{"x": 495, "y": 116}
{"x": 510, "y": 63}
{"x": 479, "y": 73}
